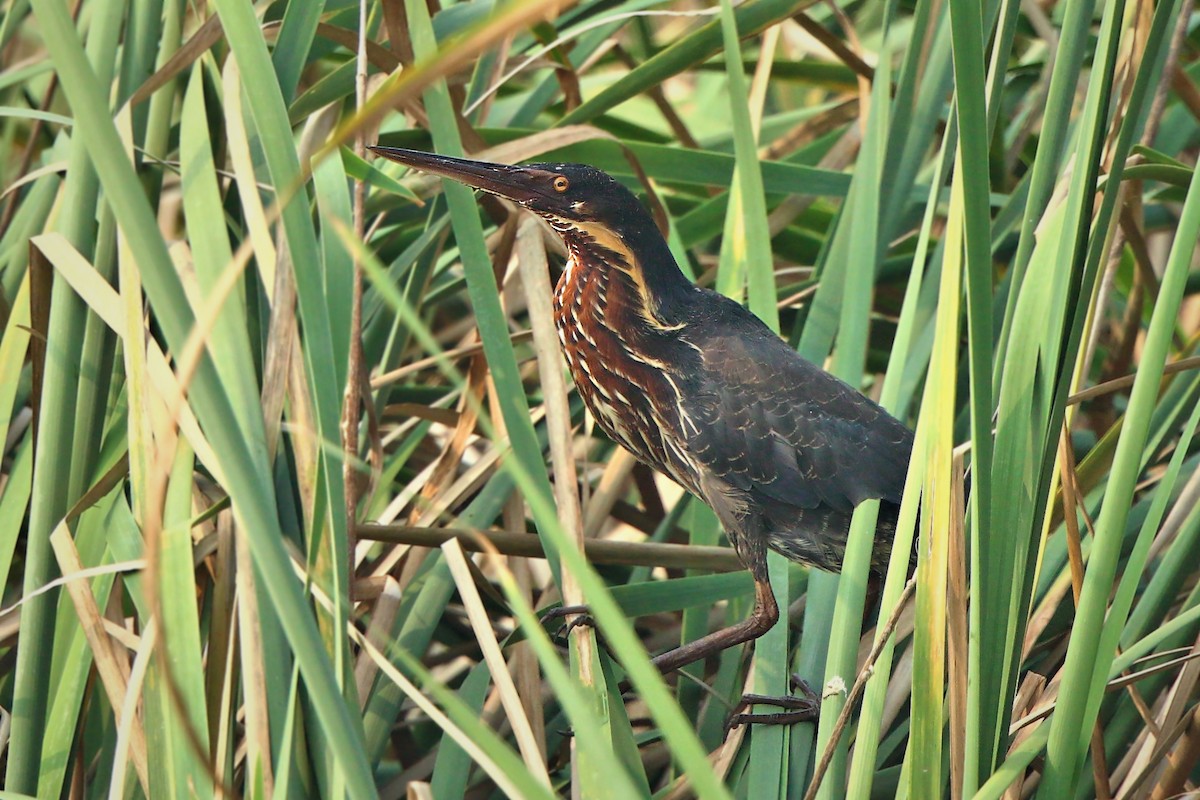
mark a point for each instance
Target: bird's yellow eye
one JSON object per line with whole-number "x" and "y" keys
{"x": 561, "y": 184}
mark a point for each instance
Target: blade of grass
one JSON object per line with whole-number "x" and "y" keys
{"x": 1079, "y": 703}
{"x": 1068, "y": 59}
{"x": 452, "y": 770}
{"x": 486, "y": 748}
{"x": 924, "y": 756}
{"x": 693, "y": 49}
{"x": 531, "y": 256}
{"x": 967, "y": 36}
{"x": 477, "y": 615}
{"x": 863, "y": 766}
{"x": 51, "y": 492}
{"x": 14, "y": 503}
{"x": 112, "y": 668}
{"x": 853, "y": 329}
{"x": 175, "y": 684}
{"x": 244, "y": 463}
{"x": 296, "y": 33}
{"x": 324, "y": 369}
{"x": 481, "y": 281}
{"x": 14, "y": 344}
{"x": 1049, "y": 346}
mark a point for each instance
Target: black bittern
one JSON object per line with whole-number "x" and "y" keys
{"x": 699, "y": 388}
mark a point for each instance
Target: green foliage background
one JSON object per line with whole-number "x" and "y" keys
{"x": 222, "y": 518}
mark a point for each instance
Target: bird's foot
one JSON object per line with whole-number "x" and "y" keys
{"x": 579, "y": 618}
{"x": 578, "y": 615}
{"x": 802, "y": 708}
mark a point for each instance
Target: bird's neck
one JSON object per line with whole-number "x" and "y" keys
{"x": 619, "y": 320}
{"x": 638, "y": 273}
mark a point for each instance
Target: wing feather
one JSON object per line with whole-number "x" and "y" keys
{"x": 771, "y": 423}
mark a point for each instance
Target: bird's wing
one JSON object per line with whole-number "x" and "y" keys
{"x": 767, "y": 421}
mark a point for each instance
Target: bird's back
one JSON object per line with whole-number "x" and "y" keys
{"x": 787, "y": 448}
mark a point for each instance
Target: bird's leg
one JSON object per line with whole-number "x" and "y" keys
{"x": 761, "y": 619}
{"x": 806, "y": 707}
{"x": 764, "y": 615}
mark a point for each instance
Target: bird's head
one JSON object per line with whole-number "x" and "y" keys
{"x": 574, "y": 198}
{"x": 599, "y": 220}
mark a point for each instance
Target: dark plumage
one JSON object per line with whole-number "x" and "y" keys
{"x": 699, "y": 388}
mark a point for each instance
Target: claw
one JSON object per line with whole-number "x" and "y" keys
{"x": 580, "y": 614}
{"x": 803, "y": 687}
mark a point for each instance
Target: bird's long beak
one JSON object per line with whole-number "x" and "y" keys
{"x": 520, "y": 184}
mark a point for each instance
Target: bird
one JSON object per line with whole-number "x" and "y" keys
{"x": 699, "y": 388}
